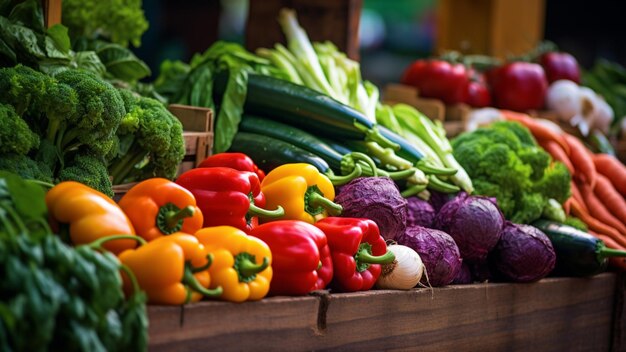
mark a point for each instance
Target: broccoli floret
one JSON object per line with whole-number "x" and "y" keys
{"x": 98, "y": 114}
{"x": 15, "y": 135}
{"x": 504, "y": 161}
{"x": 25, "y": 89}
{"x": 150, "y": 142}
{"x": 575, "y": 223}
{"x": 89, "y": 169}
{"x": 25, "y": 167}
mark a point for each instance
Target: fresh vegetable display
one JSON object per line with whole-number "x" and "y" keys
{"x": 301, "y": 258}
{"x": 357, "y": 250}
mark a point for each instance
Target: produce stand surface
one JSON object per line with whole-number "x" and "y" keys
{"x": 554, "y": 314}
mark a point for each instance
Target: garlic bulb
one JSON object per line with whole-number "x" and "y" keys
{"x": 404, "y": 273}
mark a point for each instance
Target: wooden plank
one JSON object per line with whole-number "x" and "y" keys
{"x": 553, "y": 314}
{"x": 193, "y": 118}
{"x": 276, "y": 323}
{"x": 400, "y": 93}
{"x": 618, "y": 342}
{"x": 333, "y": 20}
{"x": 52, "y": 12}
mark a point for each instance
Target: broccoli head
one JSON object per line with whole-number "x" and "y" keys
{"x": 89, "y": 169}
{"x": 149, "y": 141}
{"x": 25, "y": 167}
{"x": 15, "y": 135}
{"x": 25, "y": 89}
{"x": 504, "y": 161}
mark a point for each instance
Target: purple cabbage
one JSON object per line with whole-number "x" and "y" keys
{"x": 421, "y": 213}
{"x": 523, "y": 254}
{"x": 378, "y": 199}
{"x": 464, "y": 276}
{"x": 480, "y": 270}
{"x": 439, "y": 199}
{"x": 474, "y": 222}
{"x": 438, "y": 252}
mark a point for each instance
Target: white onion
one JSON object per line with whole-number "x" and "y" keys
{"x": 404, "y": 273}
{"x": 563, "y": 97}
{"x": 603, "y": 115}
{"x": 482, "y": 117}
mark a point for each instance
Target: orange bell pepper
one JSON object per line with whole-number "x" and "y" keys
{"x": 83, "y": 215}
{"x": 159, "y": 207}
{"x": 171, "y": 269}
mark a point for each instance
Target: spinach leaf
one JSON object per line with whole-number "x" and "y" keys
{"x": 58, "y": 33}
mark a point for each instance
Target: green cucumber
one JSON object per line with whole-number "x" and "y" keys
{"x": 304, "y": 108}
{"x": 577, "y": 252}
{"x": 269, "y": 153}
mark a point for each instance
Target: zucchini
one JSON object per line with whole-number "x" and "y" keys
{"x": 269, "y": 153}
{"x": 577, "y": 252}
{"x": 304, "y": 108}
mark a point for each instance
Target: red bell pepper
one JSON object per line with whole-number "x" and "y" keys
{"x": 237, "y": 161}
{"x": 227, "y": 196}
{"x": 357, "y": 250}
{"x": 300, "y": 256}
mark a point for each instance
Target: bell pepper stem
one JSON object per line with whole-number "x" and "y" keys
{"x": 170, "y": 218}
{"x": 342, "y": 180}
{"x": 264, "y": 213}
{"x": 314, "y": 200}
{"x": 190, "y": 280}
{"x": 209, "y": 261}
{"x": 247, "y": 267}
{"x": 433, "y": 170}
{"x": 97, "y": 244}
{"x": 131, "y": 277}
{"x": 364, "y": 256}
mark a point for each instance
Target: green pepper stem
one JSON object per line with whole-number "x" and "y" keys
{"x": 438, "y": 185}
{"x": 173, "y": 217}
{"x": 413, "y": 190}
{"x": 97, "y": 244}
{"x": 606, "y": 252}
{"x": 316, "y": 200}
{"x": 434, "y": 170}
{"x": 209, "y": 261}
{"x": 387, "y": 156}
{"x": 248, "y": 268}
{"x": 190, "y": 280}
{"x": 342, "y": 180}
{"x": 264, "y": 213}
{"x": 373, "y": 135}
{"x": 364, "y": 256}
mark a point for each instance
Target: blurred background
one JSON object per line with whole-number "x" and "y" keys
{"x": 391, "y": 33}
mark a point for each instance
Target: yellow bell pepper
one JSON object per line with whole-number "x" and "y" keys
{"x": 171, "y": 269}
{"x": 304, "y": 193}
{"x": 84, "y": 215}
{"x": 241, "y": 263}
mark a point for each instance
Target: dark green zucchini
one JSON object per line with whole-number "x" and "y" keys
{"x": 269, "y": 153}
{"x": 577, "y": 252}
{"x": 304, "y": 108}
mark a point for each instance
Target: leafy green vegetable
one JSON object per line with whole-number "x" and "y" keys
{"x": 504, "y": 161}
{"x": 54, "y": 297}
{"x": 119, "y": 61}
{"x": 121, "y": 21}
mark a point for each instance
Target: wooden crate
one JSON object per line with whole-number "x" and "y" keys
{"x": 554, "y": 314}
{"x": 497, "y": 28}
{"x": 333, "y": 20}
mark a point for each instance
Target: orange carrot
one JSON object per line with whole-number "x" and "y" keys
{"x": 576, "y": 195}
{"x": 613, "y": 201}
{"x": 583, "y": 163}
{"x": 596, "y": 225}
{"x": 567, "y": 205}
{"x": 557, "y": 152}
{"x": 539, "y": 131}
{"x": 616, "y": 262}
{"x": 598, "y": 210}
{"x": 613, "y": 169}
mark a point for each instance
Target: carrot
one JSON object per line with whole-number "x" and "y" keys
{"x": 582, "y": 161}
{"x": 616, "y": 262}
{"x": 557, "y": 152}
{"x": 576, "y": 195}
{"x": 613, "y": 201}
{"x": 613, "y": 169}
{"x": 599, "y": 211}
{"x": 596, "y": 225}
{"x": 539, "y": 131}
{"x": 567, "y": 205}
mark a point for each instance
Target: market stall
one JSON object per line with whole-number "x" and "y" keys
{"x": 270, "y": 197}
